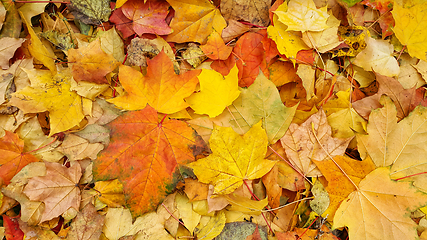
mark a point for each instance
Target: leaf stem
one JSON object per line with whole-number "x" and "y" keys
{"x": 172, "y": 215}
{"x": 34, "y": 150}
{"x": 307, "y": 228}
{"x": 412, "y": 175}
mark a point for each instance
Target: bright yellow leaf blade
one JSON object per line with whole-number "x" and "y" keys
{"x": 302, "y": 15}
{"x": 194, "y": 21}
{"x": 216, "y": 92}
{"x": 380, "y": 209}
{"x": 235, "y": 158}
{"x": 410, "y": 28}
{"x": 51, "y": 93}
{"x": 213, "y": 228}
{"x": 288, "y": 43}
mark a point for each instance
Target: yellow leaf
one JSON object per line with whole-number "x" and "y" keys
{"x": 380, "y": 209}
{"x": 110, "y": 192}
{"x": 235, "y": 158}
{"x": 216, "y": 92}
{"x": 307, "y": 75}
{"x": 378, "y": 56}
{"x": 194, "y": 21}
{"x": 410, "y": 28}
{"x": 288, "y": 43}
{"x": 245, "y": 205}
{"x": 302, "y": 15}
{"x": 38, "y": 50}
{"x": 190, "y": 218}
{"x": 51, "y": 93}
{"x": 213, "y": 228}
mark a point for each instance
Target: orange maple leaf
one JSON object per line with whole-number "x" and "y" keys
{"x": 215, "y": 48}
{"x": 13, "y": 159}
{"x": 91, "y": 63}
{"x": 161, "y": 88}
{"x": 143, "y": 154}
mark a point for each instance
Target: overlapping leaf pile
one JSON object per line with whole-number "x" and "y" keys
{"x": 171, "y": 119}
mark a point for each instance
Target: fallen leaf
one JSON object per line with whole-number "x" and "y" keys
{"x": 93, "y": 12}
{"x": 215, "y": 48}
{"x": 255, "y": 12}
{"x": 58, "y": 189}
{"x": 189, "y": 217}
{"x": 235, "y": 158}
{"x": 370, "y": 204}
{"x": 213, "y": 228}
{"x": 194, "y": 21}
{"x": 303, "y": 15}
{"x": 91, "y": 63}
{"x": 161, "y": 88}
{"x": 148, "y": 16}
{"x": 307, "y": 75}
{"x": 110, "y": 193}
{"x": 87, "y": 224}
{"x": 378, "y": 57}
{"x": 216, "y": 92}
{"x": 51, "y": 93}
{"x": 301, "y": 143}
{"x": 410, "y": 28}
{"x": 111, "y": 43}
{"x": 12, "y": 230}
{"x": 8, "y": 50}
{"x": 77, "y": 148}
{"x": 281, "y": 72}
{"x": 122, "y": 23}
{"x": 148, "y": 152}
{"x": 13, "y": 156}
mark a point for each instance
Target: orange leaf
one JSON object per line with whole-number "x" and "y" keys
{"x": 215, "y": 48}
{"x": 144, "y": 154}
{"x": 148, "y": 17}
{"x": 91, "y": 63}
{"x": 250, "y": 52}
{"x": 13, "y": 159}
{"x": 161, "y": 88}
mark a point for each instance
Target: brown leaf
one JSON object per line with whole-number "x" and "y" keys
{"x": 87, "y": 225}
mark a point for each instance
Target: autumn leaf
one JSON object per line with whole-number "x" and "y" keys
{"x": 255, "y": 12}
{"x": 215, "y": 48}
{"x": 216, "y": 92}
{"x": 148, "y": 16}
{"x": 302, "y": 143}
{"x": 370, "y": 205}
{"x": 13, "y": 158}
{"x": 91, "y": 63}
{"x": 410, "y": 28}
{"x": 9, "y": 46}
{"x": 93, "y": 12}
{"x": 235, "y": 158}
{"x": 161, "y": 88}
{"x": 194, "y": 21}
{"x": 144, "y": 154}
{"x": 58, "y": 189}
{"x": 87, "y": 225}
{"x": 51, "y": 93}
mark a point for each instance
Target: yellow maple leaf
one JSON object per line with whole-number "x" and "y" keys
{"x": 302, "y": 15}
{"x": 216, "y": 92}
{"x": 379, "y": 208}
{"x": 51, "y": 93}
{"x": 235, "y": 158}
{"x": 410, "y": 28}
{"x": 194, "y": 21}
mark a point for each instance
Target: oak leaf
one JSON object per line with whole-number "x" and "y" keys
{"x": 410, "y": 28}
{"x": 51, "y": 93}
{"x": 143, "y": 154}
{"x": 302, "y": 143}
{"x": 58, "y": 189}
{"x": 370, "y": 205}
{"x": 13, "y": 158}
{"x": 235, "y": 158}
{"x": 216, "y": 92}
{"x": 194, "y": 20}
{"x": 161, "y": 88}
{"x": 148, "y": 16}
{"x": 91, "y": 63}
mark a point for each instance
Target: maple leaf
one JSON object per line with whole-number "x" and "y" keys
{"x": 215, "y": 48}
{"x": 235, "y": 158}
{"x": 250, "y": 52}
{"x": 339, "y": 186}
{"x": 91, "y": 63}
{"x": 13, "y": 158}
{"x": 51, "y": 93}
{"x": 378, "y": 56}
{"x": 194, "y": 20}
{"x": 255, "y": 12}
{"x": 301, "y": 143}
{"x": 216, "y": 92}
{"x": 87, "y": 225}
{"x": 122, "y": 23}
{"x": 143, "y": 154}
{"x": 110, "y": 192}
{"x": 148, "y": 16}
{"x": 260, "y": 101}
{"x": 410, "y": 28}
{"x": 370, "y": 205}
{"x": 161, "y": 88}
{"x": 9, "y": 46}
{"x": 58, "y": 189}
{"x": 302, "y": 15}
